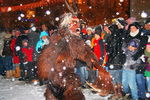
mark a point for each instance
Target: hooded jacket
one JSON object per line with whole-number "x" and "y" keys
{"x": 41, "y": 42}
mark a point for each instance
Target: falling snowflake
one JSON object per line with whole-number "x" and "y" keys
{"x": 52, "y": 69}
{"x": 9, "y": 9}
{"x": 111, "y": 66}
{"x": 117, "y": 13}
{"x": 22, "y": 15}
{"x": 121, "y": 0}
{"x": 48, "y": 12}
{"x": 67, "y": 40}
{"x": 144, "y": 14}
{"x": 148, "y": 95}
{"x": 60, "y": 74}
{"x": 64, "y": 68}
{"x": 90, "y": 7}
{"x": 57, "y": 18}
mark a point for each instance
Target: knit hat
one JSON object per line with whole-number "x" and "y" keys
{"x": 98, "y": 29}
{"x": 134, "y": 43}
{"x": 147, "y": 21}
{"x": 25, "y": 40}
{"x": 89, "y": 28}
{"x": 43, "y": 34}
{"x": 136, "y": 24}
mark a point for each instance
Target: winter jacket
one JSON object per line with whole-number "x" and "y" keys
{"x": 40, "y": 44}
{"x": 99, "y": 50}
{"x": 19, "y": 45}
{"x": 7, "y": 49}
{"x": 27, "y": 54}
{"x": 145, "y": 32}
{"x": 130, "y": 63}
{"x": 16, "y": 59}
{"x": 33, "y": 38}
{"x": 114, "y": 48}
{"x": 143, "y": 41}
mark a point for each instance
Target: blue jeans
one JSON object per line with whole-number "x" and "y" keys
{"x": 148, "y": 83}
{"x": 7, "y": 62}
{"x": 129, "y": 81}
{"x": 116, "y": 76}
{"x": 141, "y": 85}
{"x": 83, "y": 73}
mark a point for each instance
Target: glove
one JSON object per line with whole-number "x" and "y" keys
{"x": 134, "y": 57}
{"x": 25, "y": 63}
{"x": 111, "y": 66}
{"x": 39, "y": 49}
{"x": 142, "y": 58}
{"x": 131, "y": 67}
{"x": 18, "y": 48}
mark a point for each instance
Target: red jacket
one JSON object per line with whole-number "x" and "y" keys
{"x": 99, "y": 48}
{"x": 16, "y": 59}
{"x": 28, "y": 53}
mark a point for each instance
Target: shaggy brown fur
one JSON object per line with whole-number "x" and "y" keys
{"x": 57, "y": 62}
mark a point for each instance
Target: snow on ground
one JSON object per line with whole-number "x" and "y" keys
{"x": 16, "y": 90}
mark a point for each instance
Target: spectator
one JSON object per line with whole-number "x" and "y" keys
{"x": 116, "y": 56}
{"x": 129, "y": 68}
{"x": 7, "y": 57}
{"x": 147, "y": 71}
{"x": 42, "y": 42}
{"x": 16, "y": 60}
{"x": 28, "y": 69}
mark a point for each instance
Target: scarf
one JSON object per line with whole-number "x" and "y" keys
{"x": 133, "y": 34}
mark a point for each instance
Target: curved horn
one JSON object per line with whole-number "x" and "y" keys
{"x": 70, "y": 8}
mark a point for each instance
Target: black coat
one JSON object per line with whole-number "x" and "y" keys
{"x": 33, "y": 38}
{"x": 114, "y": 48}
{"x": 6, "y": 49}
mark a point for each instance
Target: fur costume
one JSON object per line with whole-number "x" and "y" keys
{"x": 57, "y": 62}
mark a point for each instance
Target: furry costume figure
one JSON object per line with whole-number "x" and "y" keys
{"x": 57, "y": 62}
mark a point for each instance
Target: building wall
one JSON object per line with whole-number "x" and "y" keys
{"x": 137, "y": 6}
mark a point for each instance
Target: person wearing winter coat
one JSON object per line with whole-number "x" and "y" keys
{"x": 16, "y": 60}
{"x": 44, "y": 40}
{"x": 89, "y": 36}
{"x": 147, "y": 71}
{"x": 99, "y": 48}
{"x": 129, "y": 68}
{"x": 116, "y": 57}
{"x": 134, "y": 32}
{"x": 28, "y": 70}
{"x": 7, "y": 57}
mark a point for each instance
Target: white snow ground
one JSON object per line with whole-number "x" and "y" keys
{"x": 16, "y": 90}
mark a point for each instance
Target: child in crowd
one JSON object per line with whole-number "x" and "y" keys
{"x": 42, "y": 42}
{"x": 129, "y": 68}
{"x": 28, "y": 72}
{"x": 147, "y": 71}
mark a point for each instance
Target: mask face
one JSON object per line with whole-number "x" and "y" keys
{"x": 46, "y": 41}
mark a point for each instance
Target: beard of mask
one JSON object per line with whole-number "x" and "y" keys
{"x": 46, "y": 41}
